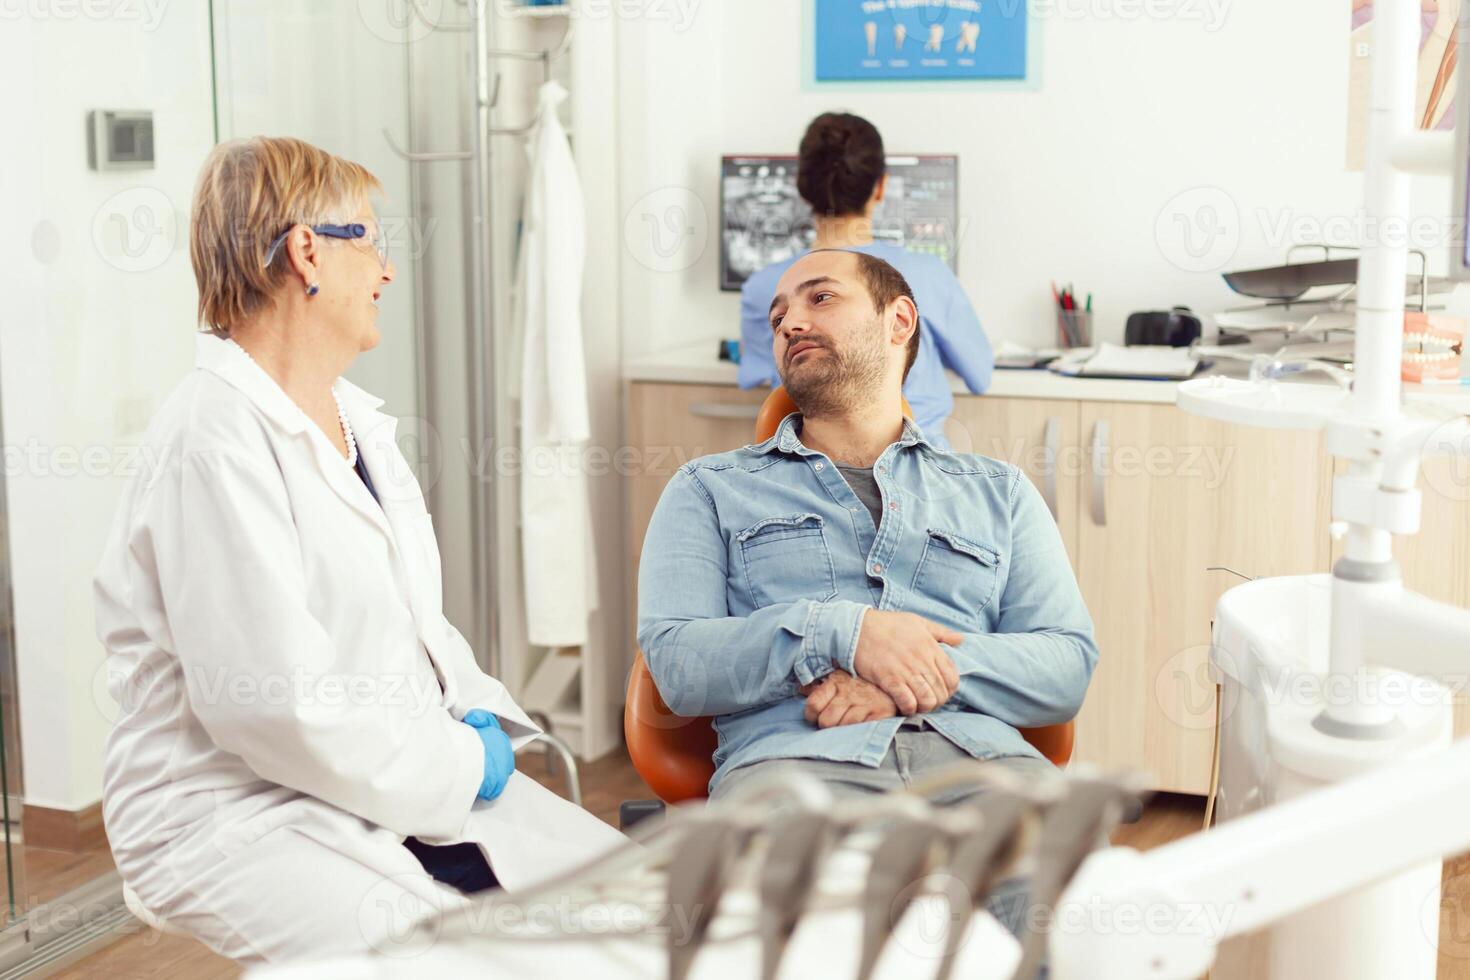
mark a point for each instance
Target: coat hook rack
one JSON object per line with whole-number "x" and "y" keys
{"x": 546, "y": 57}
{"x": 423, "y": 157}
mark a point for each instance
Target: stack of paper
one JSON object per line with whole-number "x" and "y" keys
{"x": 1114, "y": 361}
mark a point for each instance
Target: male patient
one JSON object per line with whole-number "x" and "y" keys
{"x": 845, "y": 598}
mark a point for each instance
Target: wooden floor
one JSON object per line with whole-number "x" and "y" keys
{"x": 149, "y": 955}
{"x": 47, "y": 874}
{"x": 146, "y": 954}
{"x": 50, "y": 874}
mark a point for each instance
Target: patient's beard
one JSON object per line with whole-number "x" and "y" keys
{"x": 841, "y": 380}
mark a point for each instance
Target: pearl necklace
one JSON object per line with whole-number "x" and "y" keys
{"x": 341, "y": 412}
{"x": 346, "y": 430}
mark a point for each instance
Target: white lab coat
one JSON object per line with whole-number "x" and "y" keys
{"x": 558, "y": 557}
{"x": 289, "y": 688}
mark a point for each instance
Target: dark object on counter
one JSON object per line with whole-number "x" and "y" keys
{"x": 730, "y": 351}
{"x": 1291, "y": 281}
{"x": 1178, "y": 327}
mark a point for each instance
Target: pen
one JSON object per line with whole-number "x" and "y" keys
{"x": 1089, "y": 302}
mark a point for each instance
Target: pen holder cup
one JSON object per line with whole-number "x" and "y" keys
{"x": 1074, "y": 328}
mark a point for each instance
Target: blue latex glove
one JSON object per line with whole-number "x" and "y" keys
{"x": 500, "y": 758}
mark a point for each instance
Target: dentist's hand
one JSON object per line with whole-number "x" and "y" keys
{"x": 500, "y": 758}
{"x": 900, "y": 653}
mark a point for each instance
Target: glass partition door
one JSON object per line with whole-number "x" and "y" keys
{"x": 335, "y": 73}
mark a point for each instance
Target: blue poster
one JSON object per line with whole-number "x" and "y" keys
{"x": 895, "y": 40}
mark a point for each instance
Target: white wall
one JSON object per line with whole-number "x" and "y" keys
{"x": 1079, "y": 179}
{"x": 91, "y": 338}
{"x": 278, "y": 78}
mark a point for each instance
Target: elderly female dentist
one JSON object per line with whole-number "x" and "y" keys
{"x": 307, "y": 756}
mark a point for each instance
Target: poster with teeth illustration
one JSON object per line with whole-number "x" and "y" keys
{"x": 934, "y": 40}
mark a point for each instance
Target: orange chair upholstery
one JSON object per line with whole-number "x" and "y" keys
{"x": 675, "y": 755}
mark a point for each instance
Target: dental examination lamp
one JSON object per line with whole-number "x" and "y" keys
{"x": 1364, "y": 796}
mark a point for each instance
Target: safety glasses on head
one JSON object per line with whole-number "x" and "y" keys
{"x": 352, "y": 231}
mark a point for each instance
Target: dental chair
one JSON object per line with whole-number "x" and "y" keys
{"x": 675, "y": 755}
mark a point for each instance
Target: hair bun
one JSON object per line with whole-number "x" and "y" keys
{"x": 841, "y": 163}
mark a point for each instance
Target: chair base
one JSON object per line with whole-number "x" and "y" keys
{"x": 633, "y": 812}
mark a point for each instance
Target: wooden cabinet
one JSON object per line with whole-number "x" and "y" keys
{"x": 668, "y": 425}
{"x": 1031, "y": 433}
{"x": 1167, "y": 499}
{"x": 1148, "y": 499}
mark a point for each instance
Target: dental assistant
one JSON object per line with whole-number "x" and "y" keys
{"x": 307, "y": 757}
{"x": 841, "y": 173}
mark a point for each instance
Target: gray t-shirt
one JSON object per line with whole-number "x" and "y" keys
{"x": 865, "y": 485}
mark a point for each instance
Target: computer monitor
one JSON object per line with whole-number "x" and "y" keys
{"x": 763, "y": 219}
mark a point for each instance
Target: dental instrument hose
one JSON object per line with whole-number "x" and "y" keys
{"x": 1214, "y": 765}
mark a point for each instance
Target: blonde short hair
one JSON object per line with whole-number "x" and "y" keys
{"x": 249, "y": 192}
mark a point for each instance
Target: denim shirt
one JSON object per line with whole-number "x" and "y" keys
{"x": 760, "y": 563}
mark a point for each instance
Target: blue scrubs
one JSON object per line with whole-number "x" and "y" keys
{"x": 367, "y": 481}
{"x": 950, "y": 335}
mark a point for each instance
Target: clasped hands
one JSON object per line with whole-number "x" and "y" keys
{"x": 901, "y": 670}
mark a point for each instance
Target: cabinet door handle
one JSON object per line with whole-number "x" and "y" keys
{"x": 1049, "y": 472}
{"x": 1099, "y": 474}
{"x": 721, "y": 410}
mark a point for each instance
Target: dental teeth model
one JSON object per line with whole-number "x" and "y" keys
{"x": 936, "y": 37}
{"x": 870, "y": 29}
{"x": 900, "y": 34}
{"x": 1433, "y": 345}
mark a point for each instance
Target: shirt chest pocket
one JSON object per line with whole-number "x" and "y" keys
{"x": 785, "y": 559}
{"x": 957, "y": 572}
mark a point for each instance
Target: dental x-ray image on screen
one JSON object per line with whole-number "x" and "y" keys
{"x": 763, "y": 219}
